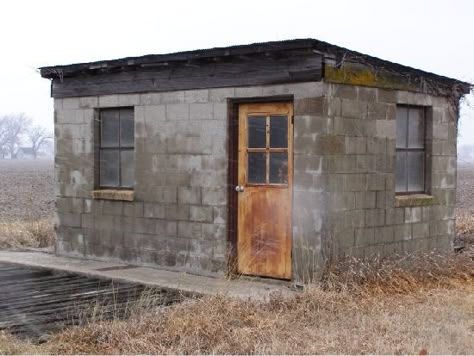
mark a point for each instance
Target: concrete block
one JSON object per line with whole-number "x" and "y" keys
{"x": 220, "y": 111}
{"x": 215, "y": 232}
{"x": 177, "y": 212}
{"x": 177, "y": 111}
{"x": 133, "y": 209}
{"x": 70, "y": 103}
{"x": 69, "y": 219}
{"x": 189, "y": 195}
{"x": 420, "y": 230}
{"x": 365, "y": 200}
{"x": 413, "y": 214}
{"x": 376, "y": 181}
{"x": 188, "y": 229}
{"x": 108, "y": 101}
{"x": 355, "y": 182}
{"x": 402, "y": 232}
{"x": 394, "y": 216}
{"x": 355, "y": 145}
{"x": 387, "y": 96}
{"x": 154, "y": 116}
{"x": 87, "y": 221}
{"x": 377, "y": 145}
{"x": 150, "y": 99}
{"x": 88, "y": 102}
{"x": 201, "y": 213}
{"x": 310, "y": 106}
{"x": 385, "y": 128}
{"x": 221, "y": 95}
{"x": 334, "y": 107}
{"x": 248, "y": 92}
{"x": 152, "y": 210}
{"x": 354, "y": 109}
{"x": 374, "y": 217}
{"x": 214, "y": 196}
{"x": 376, "y": 111}
{"x": 129, "y": 99}
{"x": 384, "y": 234}
{"x": 364, "y": 236}
{"x": 110, "y": 207}
{"x": 201, "y": 111}
{"x": 367, "y": 94}
{"x": 219, "y": 214}
{"x": 172, "y": 97}
{"x": 196, "y": 96}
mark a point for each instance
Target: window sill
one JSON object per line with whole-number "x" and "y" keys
{"x": 414, "y": 200}
{"x": 114, "y": 194}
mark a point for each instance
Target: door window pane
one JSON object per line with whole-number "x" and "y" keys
{"x": 278, "y": 131}
{"x": 127, "y": 165}
{"x": 126, "y": 128}
{"x": 109, "y": 168}
{"x": 257, "y": 131}
{"x": 401, "y": 175}
{"x": 109, "y": 128}
{"x": 256, "y": 167}
{"x": 402, "y": 116}
{"x": 416, "y": 169}
{"x": 279, "y": 167}
{"x": 416, "y": 128}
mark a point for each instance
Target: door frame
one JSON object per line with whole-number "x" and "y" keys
{"x": 232, "y": 170}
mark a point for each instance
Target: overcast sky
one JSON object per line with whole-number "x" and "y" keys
{"x": 436, "y": 36}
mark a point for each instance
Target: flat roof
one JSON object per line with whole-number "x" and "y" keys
{"x": 317, "y": 46}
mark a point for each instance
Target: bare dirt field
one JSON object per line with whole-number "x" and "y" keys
{"x": 27, "y": 189}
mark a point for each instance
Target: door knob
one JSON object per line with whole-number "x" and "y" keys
{"x": 239, "y": 188}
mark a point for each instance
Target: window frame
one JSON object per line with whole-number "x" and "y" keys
{"x": 118, "y": 148}
{"x": 423, "y": 150}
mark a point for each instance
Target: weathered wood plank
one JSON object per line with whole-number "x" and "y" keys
{"x": 254, "y": 70}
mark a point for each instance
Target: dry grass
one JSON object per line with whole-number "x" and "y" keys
{"x": 465, "y": 226}
{"x": 27, "y": 233}
{"x": 401, "y": 305}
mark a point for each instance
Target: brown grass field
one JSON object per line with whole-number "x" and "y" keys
{"x": 417, "y": 304}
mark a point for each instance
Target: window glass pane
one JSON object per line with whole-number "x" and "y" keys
{"x": 416, "y": 137}
{"x": 279, "y": 167}
{"x": 256, "y": 131}
{"x": 278, "y": 131}
{"x": 256, "y": 167}
{"x": 416, "y": 170}
{"x": 402, "y": 115}
{"x": 127, "y": 168}
{"x": 109, "y": 168}
{"x": 126, "y": 128}
{"x": 109, "y": 128}
{"x": 401, "y": 173}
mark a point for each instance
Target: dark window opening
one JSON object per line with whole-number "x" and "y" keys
{"x": 410, "y": 150}
{"x": 116, "y": 148}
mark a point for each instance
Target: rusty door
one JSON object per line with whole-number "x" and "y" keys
{"x": 265, "y": 175}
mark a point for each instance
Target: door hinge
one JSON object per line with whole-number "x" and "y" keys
{"x": 292, "y": 119}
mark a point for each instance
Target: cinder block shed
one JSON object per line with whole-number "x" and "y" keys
{"x": 265, "y": 159}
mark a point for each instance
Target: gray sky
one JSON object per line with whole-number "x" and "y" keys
{"x": 433, "y": 35}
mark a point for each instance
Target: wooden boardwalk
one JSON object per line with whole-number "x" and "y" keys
{"x": 35, "y": 301}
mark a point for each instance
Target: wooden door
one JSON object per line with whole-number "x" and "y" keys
{"x": 265, "y": 175}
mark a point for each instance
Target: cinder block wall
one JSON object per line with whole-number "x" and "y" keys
{"x": 364, "y": 216}
{"x": 178, "y": 219}
{"x": 344, "y": 164}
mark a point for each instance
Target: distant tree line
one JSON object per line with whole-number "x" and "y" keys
{"x": 17, "y": 133}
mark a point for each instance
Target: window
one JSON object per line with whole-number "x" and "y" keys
{"x": 410, "y": 147}
{"x": 116, "y": 148}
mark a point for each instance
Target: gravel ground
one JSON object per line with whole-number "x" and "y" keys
{"x": 27, "y": 189}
